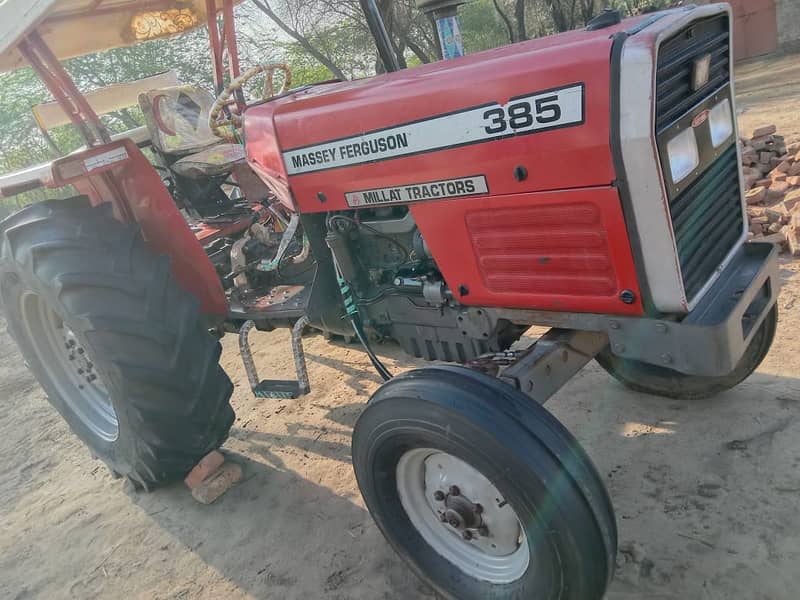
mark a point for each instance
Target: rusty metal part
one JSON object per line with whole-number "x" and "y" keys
{"x": 553, "y": 360}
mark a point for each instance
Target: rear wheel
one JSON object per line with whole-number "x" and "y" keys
{"x": 652, "y": 379}
{"x": 482, "y": 492}
{"x": 122, "y": 352}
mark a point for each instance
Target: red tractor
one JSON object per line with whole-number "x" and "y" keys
{"x": 440, "y": 207}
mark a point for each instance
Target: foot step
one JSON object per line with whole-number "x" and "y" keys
{"x": 276, "y": 388}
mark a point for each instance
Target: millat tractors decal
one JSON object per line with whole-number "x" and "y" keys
{"x": 532, "y": 113}
{"x": 430, "y": 190}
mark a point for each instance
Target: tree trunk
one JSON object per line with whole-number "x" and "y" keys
{"x": 519, "y": 13}
{"x": 506, "y": 20}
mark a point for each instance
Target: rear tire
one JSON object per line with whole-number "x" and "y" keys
{"x": 453, "y": 426}
{"x": 652, "y": 379}
{"x": 155, "y": 399}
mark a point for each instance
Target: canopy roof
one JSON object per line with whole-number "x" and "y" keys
{"x": 76, "y": 27}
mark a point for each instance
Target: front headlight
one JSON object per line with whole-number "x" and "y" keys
{"x": 682, "y": 154}
{"x": 720, "y": 119}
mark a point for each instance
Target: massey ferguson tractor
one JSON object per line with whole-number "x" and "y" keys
{"x": 438, "y": 206}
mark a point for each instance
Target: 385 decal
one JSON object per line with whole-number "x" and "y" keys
{"x": 532, "y": 113}
{"x": 523, "y": 115}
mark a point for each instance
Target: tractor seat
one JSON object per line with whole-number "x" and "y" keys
{"x": 177, "y": 119}
{"x": 212, "y": 162}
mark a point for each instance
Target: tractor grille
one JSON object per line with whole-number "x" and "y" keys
{"x": 676, "y": 57}
{"x": 706, "y": 211}
{"x": 707, "y": 221}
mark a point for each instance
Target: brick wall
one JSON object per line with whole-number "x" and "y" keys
{"x": 788, "y": 23}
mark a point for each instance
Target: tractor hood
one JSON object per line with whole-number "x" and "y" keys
{"x": 528, "y": 117}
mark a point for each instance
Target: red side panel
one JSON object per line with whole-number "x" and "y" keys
{"x": 562, "y": 251}
{"x": 119, "y": 173}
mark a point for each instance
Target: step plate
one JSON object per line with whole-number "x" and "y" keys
{"x": 277, "y": 388}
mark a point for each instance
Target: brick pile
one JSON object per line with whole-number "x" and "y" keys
{"x": 772, "y": 182}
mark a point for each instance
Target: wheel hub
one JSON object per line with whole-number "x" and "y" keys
{"x": 462, "y": 515}
{"x": 69, "y": 367}
{"x": 78, "y": 358}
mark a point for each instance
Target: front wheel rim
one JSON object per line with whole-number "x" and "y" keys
{"x": 69, "y": 367}
{"x": 462, "y": 516}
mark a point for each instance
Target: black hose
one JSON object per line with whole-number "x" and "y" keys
{"x": 376, "y": 362}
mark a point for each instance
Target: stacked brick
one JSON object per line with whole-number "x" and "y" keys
{"x": 772, "y": 182}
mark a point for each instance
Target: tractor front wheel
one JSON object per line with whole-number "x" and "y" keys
{"x": 481, "y": 491}
{"x": 121, "y": 350}
{"x": 659, "y": 381}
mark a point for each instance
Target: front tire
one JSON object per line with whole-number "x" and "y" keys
{"x": 121, "y": 350}
{"x": 434, "y": 444}
{"x": 659, "y": 381}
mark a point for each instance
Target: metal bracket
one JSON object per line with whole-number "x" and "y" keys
{"x": 553, "y": 360}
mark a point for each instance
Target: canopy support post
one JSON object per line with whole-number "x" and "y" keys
{"x": 36, "y": 52}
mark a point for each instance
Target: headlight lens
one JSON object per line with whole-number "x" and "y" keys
{"x": 720, "y": 118}
{"x": 683, "y": 155}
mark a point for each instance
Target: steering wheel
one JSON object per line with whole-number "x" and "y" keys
{"x": 224, "y": 127}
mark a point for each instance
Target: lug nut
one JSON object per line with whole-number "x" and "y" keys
{"x": 89, "y": 365}
{"x": 80, "y": 371}
{"x": 81, "y": 350}
{"x": 466, "y": 534}
{"x": 91, "y": 377}
{"x": 453, "y": 522}
{"x": 454, "y": 491}
{"x": 438, "y": 495}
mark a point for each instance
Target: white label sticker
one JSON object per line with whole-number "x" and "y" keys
{"x": 106, "y": 158}
{"x": 430, "y": 190}
{"x": 533, "y": 113}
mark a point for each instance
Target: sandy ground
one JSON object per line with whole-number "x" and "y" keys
{"x": 707, "y": 493}
{"x": 767, "y": 92}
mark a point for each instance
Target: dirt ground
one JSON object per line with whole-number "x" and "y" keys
{"x": 707, "y": 493}
{"x": 767, "y": 92}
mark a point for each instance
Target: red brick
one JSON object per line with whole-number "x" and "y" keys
{"x": 765, "y": 130}
{"x": 763, "y": 142}
{"x": 775, "y": 161}
{"x": 202, "y": 470}
{"x": 764, "y": 182}
{"x": 218, "y": 483}
{"x": 793, "y": 180}
{"x": 774, "y": 238}
{"x": 783, "y": 167}
{"x": 775, "y": 227}
{"x": 779, "y": 186}
{"x": 791, "y": 200}
{"x": 794, "y": 169}
{"x": 793, "y": 239}
{"x": 774, "y": 196}
{"x": 751, "y": 170}
{"x": 774, "y": 215}
{"x": 756, "y": 195}
{"x": 793, "y": 148}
